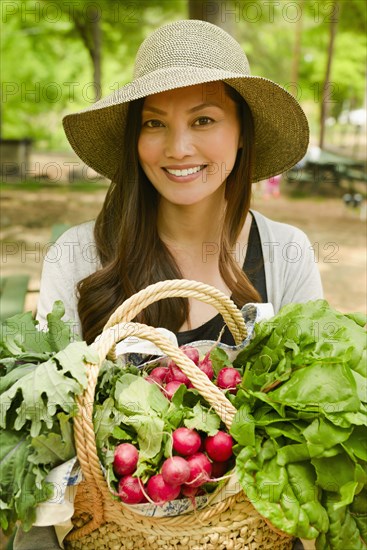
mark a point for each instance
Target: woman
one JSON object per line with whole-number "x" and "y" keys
{"x": 182, "y": 144}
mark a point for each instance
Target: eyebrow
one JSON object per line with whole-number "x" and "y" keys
{"x": 192, "y": 110}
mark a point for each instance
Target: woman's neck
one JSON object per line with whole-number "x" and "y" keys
{"x": 191, "y": 226}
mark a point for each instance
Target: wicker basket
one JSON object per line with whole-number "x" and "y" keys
{"x": 100, "y": 521}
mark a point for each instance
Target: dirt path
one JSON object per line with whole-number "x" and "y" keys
{"x": 336, "y": 232}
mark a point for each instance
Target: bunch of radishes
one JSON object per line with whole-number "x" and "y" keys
{"x": 197, "y": 460}
{"x": 170, "y": 377}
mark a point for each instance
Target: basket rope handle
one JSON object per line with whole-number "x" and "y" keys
{"x": 181, "y": 288}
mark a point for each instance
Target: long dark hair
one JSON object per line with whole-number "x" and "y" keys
{"x": 129, "y": 247}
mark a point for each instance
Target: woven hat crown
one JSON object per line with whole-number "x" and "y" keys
{"x": 190, "y": 43}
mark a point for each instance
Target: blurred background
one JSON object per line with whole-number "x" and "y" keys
{"x": 60, "y": 56}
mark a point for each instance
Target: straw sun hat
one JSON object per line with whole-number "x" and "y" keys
{"x": 185, "y": 53}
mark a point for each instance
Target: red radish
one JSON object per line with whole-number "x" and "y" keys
{"x": 175, "y": 470}
{"x": 192, "y": 353}
{"x": 171, "y": 388}
{"x": 185, "y": 441}
{"x": 219, "y": 446}
{"x": 200, "y": 469}
{"x": 175, "y": 374}
{"x": 160, "y": 373}
{"x": 206, "y": 366}
{"x": 130, "y": 491}
{"x": 228, "y": 379}
{"x": 125, "y": 459}
{"x": 171, "y": 363}
{"x": 160, "y": 491}
{"x": 152, "y": 379}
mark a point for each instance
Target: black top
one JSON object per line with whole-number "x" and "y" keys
{"x": 254, "y": 268}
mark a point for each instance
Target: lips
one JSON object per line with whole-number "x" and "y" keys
{"x": 184, "y": 171}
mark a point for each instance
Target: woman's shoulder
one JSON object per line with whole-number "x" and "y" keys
{"x": 81, "y": 234}
{"x": 76, "y": 247}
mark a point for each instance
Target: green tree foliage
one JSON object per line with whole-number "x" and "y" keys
{"x": 347, "y": 79}
{"x": 47, "y": 58}
{"x": 268, "y": 32}
{"x": 47, "y": 68}
{"x": 36, "y": 70}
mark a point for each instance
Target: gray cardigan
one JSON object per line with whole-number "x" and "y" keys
{"x": 291, "y": 270}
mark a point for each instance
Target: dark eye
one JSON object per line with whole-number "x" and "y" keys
{"x": 203, "y": 121}
{"x": 153, "y": 123}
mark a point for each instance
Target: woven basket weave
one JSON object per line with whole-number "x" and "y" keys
{"x": 100, "y": 521}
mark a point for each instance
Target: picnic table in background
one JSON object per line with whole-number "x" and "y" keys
{"x": 320, "y": 166}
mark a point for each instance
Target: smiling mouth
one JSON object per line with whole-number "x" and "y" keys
{"x": 186, "y": 171}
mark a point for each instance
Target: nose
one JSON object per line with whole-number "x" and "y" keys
{"x": 179, "y": 143}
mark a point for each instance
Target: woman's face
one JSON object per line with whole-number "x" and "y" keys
{"x": 188, "y": 141}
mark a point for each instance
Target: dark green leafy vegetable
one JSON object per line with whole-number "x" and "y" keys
{"x": 301, "y": 424}
{"x": 41, "y": 373}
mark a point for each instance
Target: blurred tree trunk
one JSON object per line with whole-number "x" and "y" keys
{"x": 96, "y": 55}
{"x": 89, "y": 30}
{"x": 326, "y": 89}
{"x": 86, "y": 17}
{"x": 218, "y": 12}
{"x": 297, "y": 50}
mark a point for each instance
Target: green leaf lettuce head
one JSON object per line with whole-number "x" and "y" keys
{"x": 301, "y": 425}
{"x": 42, "y": 372}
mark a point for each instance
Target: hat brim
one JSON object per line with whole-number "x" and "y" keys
{"x": 281, "y": 127}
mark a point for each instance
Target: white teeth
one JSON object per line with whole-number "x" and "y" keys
{"x": 186, "y": 172}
